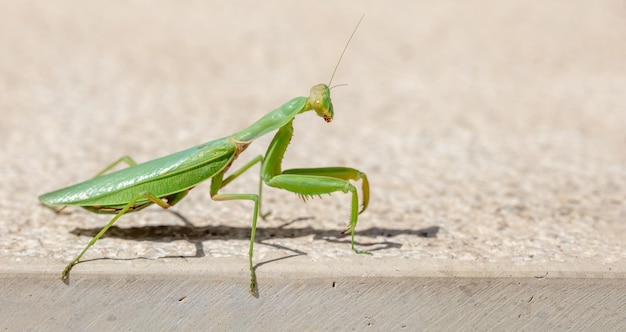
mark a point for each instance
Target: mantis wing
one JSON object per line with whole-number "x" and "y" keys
{"x": 163, "y": 176}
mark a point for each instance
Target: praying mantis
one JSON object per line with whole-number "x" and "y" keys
{"x": 167, "y": 180}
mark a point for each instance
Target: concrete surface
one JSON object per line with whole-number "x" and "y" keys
{"x": 492, "y": 133}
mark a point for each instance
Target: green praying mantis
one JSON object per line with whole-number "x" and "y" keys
{"x": 167, "y": 180}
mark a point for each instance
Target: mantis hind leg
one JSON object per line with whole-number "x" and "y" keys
{"x": 144, "y": 195}
{"x": 125, "y": 159}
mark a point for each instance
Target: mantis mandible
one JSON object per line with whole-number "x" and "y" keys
{"x": 167, "y": 180}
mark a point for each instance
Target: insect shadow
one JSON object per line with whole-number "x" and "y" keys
{"x": 199, "y": 234}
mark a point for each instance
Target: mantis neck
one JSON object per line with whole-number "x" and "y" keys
{"x": 274, "y": 119}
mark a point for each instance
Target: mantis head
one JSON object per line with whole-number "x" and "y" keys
{"x": 320, "y": 102}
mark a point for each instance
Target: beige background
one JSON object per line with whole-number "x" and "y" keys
{"x": 492, "y": 133}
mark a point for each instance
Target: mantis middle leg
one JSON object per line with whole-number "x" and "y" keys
{"x": 216, "y": 184}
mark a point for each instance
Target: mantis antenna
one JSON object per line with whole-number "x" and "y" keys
{"x": 344, "y": 49}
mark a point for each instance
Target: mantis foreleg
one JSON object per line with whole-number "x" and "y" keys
{"x": 310, "y": 185}
{"x": 308, "y": 182}
{"x": 345, "y": 173}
